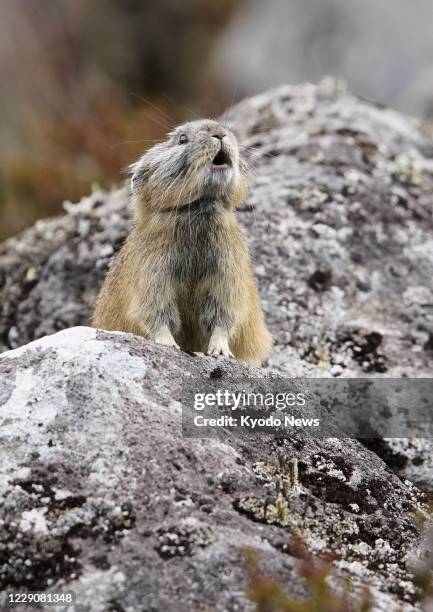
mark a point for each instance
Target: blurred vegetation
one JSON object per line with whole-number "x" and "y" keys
{"x": 268, "y": 595}
{"x": 87, "y": 86}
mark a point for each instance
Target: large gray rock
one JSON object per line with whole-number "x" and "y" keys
{"x": 100, "y": 491}
{"x": 340, "y": 227}
{"x": 102, "y": 495}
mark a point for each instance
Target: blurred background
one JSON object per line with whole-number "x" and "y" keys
{"x": 86, "y": 86}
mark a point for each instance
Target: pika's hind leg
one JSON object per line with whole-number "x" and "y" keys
{"x": 252, "y": 341}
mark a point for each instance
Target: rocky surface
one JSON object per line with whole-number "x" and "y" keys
{"x": 339, "y": 220}
{"x": 102, "y": 495}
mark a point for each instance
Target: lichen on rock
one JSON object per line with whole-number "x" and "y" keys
{"x": 101, "y": 493}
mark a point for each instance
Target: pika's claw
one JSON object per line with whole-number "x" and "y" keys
{"x": 219, "y": 346}
{"x": 217, "y": 352}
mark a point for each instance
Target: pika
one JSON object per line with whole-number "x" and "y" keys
{"x": 184, "y": 278}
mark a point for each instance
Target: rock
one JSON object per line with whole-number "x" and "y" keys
{"x": 68, "y": 258}
{"x": 339, "y": 223}
{"x": 101, "y": 491}
{"x": 102, "y": 495}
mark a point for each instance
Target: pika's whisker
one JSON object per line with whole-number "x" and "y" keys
{"x": 125, "y": 142}
{"x": 162, "y": 115}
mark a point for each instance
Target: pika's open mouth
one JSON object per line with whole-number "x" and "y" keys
{"x": 222, "y": 160}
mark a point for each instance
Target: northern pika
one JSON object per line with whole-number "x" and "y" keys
{"x": 183, "y": 277}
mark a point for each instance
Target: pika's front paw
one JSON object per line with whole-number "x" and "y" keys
{"x": 219, "y": 346}
{"x": 165, "y": 338}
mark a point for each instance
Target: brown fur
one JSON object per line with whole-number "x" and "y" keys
{"x": 184, "y": 273}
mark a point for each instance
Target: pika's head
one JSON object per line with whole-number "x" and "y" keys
{"x": 199, "y": 160}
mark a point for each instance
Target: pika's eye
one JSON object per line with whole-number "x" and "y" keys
{"x": 183, "y": 139}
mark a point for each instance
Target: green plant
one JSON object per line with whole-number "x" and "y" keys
{"x": 268, "y": 594}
